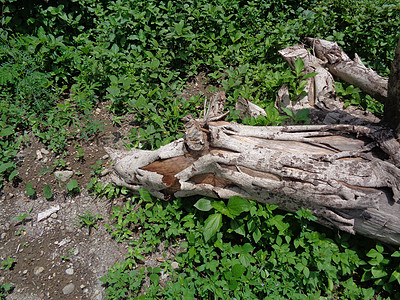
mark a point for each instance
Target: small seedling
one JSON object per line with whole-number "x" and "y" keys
{"x": 79, "y": 155}
{"x": 7, "y": 264}
{"x": 22, "y": 217}
{"x": 29, "y": 190}
{"x": 47, "y": 192}
{"x": 64, "y": 258}
{"x": 5, "y": 289}
{"x": 89, "y": 221}
{"x": 73, "y": 187}
{"x": 19, "y": 231}
{"x": 97, "y": 168}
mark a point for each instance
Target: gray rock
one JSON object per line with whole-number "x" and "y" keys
{"x": 174, "y": 265}
{"x": 68, "y": 289}
{"x": 69, "y": 271}
{"x": 39, "y": 155}
{"x": 44, "y": 151}
{"x": 47, "y": 213}
{"x": 38, "y": 270}
{"x": 63, "y": 175}
{"x": 3, "y": 235}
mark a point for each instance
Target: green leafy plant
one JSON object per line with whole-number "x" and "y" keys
{"x": 65, "y": 258}
{"x": 5, "y": 289}
{"x": 29, "y": 190}
{"x": 22, "y": 218}
{"x": 73, "y": 187}
{"x": 89, "y": 221}
{"x": 47, "y": 192}
{"x": 7, "y": 264}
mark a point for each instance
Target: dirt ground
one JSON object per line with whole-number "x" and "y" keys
{"x": 55, "y": 258}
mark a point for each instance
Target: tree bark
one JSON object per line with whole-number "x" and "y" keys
{"x": 392, "y": 105}
{"x": 347, "y": 174}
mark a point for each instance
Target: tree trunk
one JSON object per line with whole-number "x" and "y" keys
{"x": 392, "y": 105}
{"x": 347, "y": 174}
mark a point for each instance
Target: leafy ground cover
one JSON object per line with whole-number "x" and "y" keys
{"x": 72, "y": 70}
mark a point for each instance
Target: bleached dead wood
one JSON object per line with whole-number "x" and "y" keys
{"x": 347, "y": 174}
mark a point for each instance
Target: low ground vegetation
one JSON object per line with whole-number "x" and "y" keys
{"x": 59, "y": 60}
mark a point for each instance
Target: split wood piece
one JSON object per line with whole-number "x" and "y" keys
{"x": 343, "y": 173}
{"x": 351, "y": 71}
{"x": 321, "y": 99}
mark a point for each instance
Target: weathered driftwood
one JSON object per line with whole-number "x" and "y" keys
{"x": 347, "y": 174}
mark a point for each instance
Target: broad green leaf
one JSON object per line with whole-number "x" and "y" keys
{"x": 47, "y": 192}
{"x": 396, "y": 254}
{"x": 288, "y": 112}
{"x": 298, "y": 66}
{"x": 114, "y": 90}
{"x": 302, "y": 115}
{"x": 29, "y": 190}
{"x": 221, "y": 207}
{"x": 203, "y": 204}
{"x": 7, "y": 131}
{"x": 306, "y": 272}
{"x": 233, "y": 284}
{"x": 154, "y": 278}
{"x": 257, "y": 235}
{"x": 378, "y": 273}
{"x": 211, "y": 226}
{"x": 154, "y": 63}
{"x": 12, "y": 175}
{"x": 395, "y": 276}
{"x": 237, "y": 205}
{"x": 238, "y": 227}
{"x": 145, "y": 195}
{"x": 309, "y": 75}
{"x": 238, "y": 270}
{"x": 6, "y": 166}
{"x": 72, "y": 184}
{"x": 179, "y": 27}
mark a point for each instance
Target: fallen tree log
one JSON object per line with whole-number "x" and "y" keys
{"x": 347, "y": 174}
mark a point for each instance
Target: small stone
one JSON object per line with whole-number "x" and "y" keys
{"x": 69, "y": 271}
{"x": 63, "y": 175}
{"x": 3, "y": 235}
{"x": 44, "y": 151}
{"x": 106, "y": 157}
{"x": 24, "y": 271}
{"x": 38, "y": 270}
{"x": 47, "y": 213}
{"x": 39, "y": 155}
{"x": 68, "y": 289}
{"x": 53, "y": 216}
{"x": 85, "y": 291}
{"x": 98, "y": 111}
{"x": 82, "y": 286}
{"x": 174, "y": 265}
